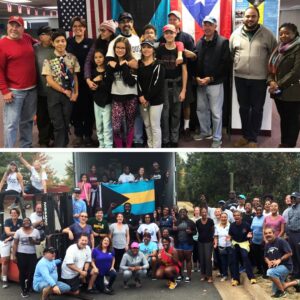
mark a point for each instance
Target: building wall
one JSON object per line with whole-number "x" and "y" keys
{"x": 290, "y": 16}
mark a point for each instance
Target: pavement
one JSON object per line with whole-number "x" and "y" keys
{"x": 150, "y": 290}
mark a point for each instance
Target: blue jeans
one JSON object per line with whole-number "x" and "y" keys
{"x": 19, "y": 114}
{"x": 103, "y": 125}
{"x": 225, "y": 255}
{"x": 280, "y": 272}
{"x": 64, "y": 288}
{"x": 209, "y": 109}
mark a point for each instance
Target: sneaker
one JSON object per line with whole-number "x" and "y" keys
{"x": 153, "y": 278}
{"x": 201, "y": 137}
{"x": 14, "y": 205}
{"x": 105, "y": 280}
{"x": 92, "y": 291}
{"x": 179, "y": 278}
{"x": 78, "y": 142}
{"x": 187, "y": 135}
{"x": 234, "y": 282}
{"x": 187, "y": 279}
{"x": 172, "y": 285}
{"x": 224, "y": 278}
{"x": 253, "y": 281}
{"x": 241, "y": 143}
{"x": 216, "y": 144}
{"x": 4, "y": 284}
{"x": 108, "y": 291}
{"x": 138, "y": 283}
{"x": 279, "y": 294}
{"x": 24, "y": 294}
{"x": 125, "y": 285}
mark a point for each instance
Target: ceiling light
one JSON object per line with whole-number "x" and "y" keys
{"x": 17, "y": 1}
{"x": 50, "y": 7}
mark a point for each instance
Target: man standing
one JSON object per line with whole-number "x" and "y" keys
{"x": 79, "y": 205}
{"x": 42, "y": 51}
{"x": 212, "y": 68}
{"x": 18, "y": 83}
{"x": 288, "y": 202}
{"x": 293, "y": 232}
{"x": 251, "y": 46}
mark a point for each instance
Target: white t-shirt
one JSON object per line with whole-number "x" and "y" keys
{"x": 76, "y": 256}
{"x": 222, "y": 234}
{"x": 36, "y": 178}
{"x": 13, "y": 183}
{"x": 126, "y": 178}
{"x": 134, "y": 41}
{"x": 152, "y": 228}
{"x": 34, "y": 217}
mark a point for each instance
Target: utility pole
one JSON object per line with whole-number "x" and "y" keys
{"x": 231, "y": 181}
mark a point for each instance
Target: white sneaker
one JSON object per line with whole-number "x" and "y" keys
{"x": 216, "y": 144}
{"x": 201, "y": 137}
{"x": 4, "y": 284}
{"x": 224, "y": 278}
{"x": 105, "y": 280}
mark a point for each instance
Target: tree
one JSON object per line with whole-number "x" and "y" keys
{"x": 69, "y": 180}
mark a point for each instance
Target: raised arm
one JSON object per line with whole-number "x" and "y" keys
{"x": 24, "y": 161}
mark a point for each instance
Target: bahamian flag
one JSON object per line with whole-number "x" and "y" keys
{"x": 144, "y": 12}
{"x": 139, "y": 194}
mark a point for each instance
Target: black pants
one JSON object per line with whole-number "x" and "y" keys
{"x": 294, "y": 241}
{"x": 289, "y": 113}
{"x": 60, "y": 110}
{"x": 26, "y": 265}
{"x": 100, "y": 280}
{"x": 251, "y": 96}
{"x": 43, "y": 121}
{"x": 30, "y": 189}
{"x": 83, "y": 111}
{"x": 9, "y": 192}
{"x": 118, "y": 256}
{"x": 257, "y": 254}
{"x": 196, "y": 255}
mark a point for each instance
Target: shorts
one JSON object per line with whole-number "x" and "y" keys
{"x": 280, "y": 272}
{"x": 184, "y": 247}
{"x": 74, "y": 283}
{"x": 5, "y": 248}
{"x": 176, "y": 268}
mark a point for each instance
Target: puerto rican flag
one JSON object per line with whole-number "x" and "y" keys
{"x": 194, "y": 11}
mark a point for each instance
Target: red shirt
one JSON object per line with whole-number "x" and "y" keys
{"x": 17, "y": 64}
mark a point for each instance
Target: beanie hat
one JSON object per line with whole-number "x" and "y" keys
{"x": 111, "y": 25}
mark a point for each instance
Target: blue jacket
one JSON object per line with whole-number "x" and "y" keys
{"x": 46, "y": 271}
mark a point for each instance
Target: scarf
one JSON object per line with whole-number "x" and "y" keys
{"x": 279, "y": 52}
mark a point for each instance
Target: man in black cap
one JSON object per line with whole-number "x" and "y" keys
{"x": 42, "y": 51}
{"x": 79, "y": 205}
{"x": 293, "y": 232}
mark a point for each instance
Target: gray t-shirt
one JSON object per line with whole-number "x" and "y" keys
{"x": 118, "y": 235}
{"x": 24, "y": 245}
{"x": 182, "y": 235}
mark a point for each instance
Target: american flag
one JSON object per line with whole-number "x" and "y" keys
{"x": 94, "y": 11}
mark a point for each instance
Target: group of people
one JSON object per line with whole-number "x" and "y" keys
{"x": 130, "y": 85}
{"x": 235, "y": 236}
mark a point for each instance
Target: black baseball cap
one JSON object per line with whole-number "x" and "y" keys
{"x": 44, "y": 30}
{"x": 125, "y": 15}
{"x": 295, "y": 194}
{"x": 77, "y": 190}
{"x": 148, "y": 42}
{"x": 49, "y": 249}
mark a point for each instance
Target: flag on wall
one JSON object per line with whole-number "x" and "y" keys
{"x": 140, "y": 194}
{"x": 194, "y": 11}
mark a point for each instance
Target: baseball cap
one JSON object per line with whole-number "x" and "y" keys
{"x": 176, "y": 13}
{"x": 125, "y": 15}
{"x": 209, "y": 19}
{"x": 295, "y": 194}
{"x": 242, "y": 196}
{"x": 77, "y": 190}
{"x": 169, "y": 27}
{"x": 44, "y": 30}
{"x": 148, "y": 42}
{"x": 49, "y": 249}
{"x": 221, "y": 202}
{"x": 16, "y": 19}
{"x": 134, "y": 245}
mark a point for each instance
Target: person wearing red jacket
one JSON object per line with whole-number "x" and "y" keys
{"x": 18, "y": 83}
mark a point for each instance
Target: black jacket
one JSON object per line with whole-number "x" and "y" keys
{"x": 213, "y": 59}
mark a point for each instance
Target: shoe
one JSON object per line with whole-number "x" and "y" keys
{"x": 253, "y": 281}
{"x": 153, "y": 278}
{"x": 4, "y": 284}
{"x": 105, "y": 280}
{"x": 224, "y": 278}
{"x": 240, "y": 143}
{"x": 179, "y": 278}
{"x": 234, "y": 282}
{"x": 14, "y": 205}
{"x": 187, "y": 279}
{"x": 201, "y": 137}
{"x": 138, "y": 283}
{"x": 252, "y": 145}
{"x": 279, "y": 294}
{"x": 92, "y": 291}
{"x": 216, "y": 144}
{"x": 46, "y": 292}
{"x": 172, "y": 285}
{"x": 24, "y": 294}
{"x": 107, "y": 291}
{"x": 187, "y": 135}
{"x": 78, "y": 142}
{"x": 242, "y": 269}
{"x": 125, "y": 285}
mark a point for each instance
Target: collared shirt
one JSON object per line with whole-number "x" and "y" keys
{"x": 293, "y": 223}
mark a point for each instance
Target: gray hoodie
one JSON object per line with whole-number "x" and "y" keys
{"x": 129, "y": 260}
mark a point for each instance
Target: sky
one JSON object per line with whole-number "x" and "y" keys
{"x": 58, "y": 162}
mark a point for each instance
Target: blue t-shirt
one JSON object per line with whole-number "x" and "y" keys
{"x": 77, "y": 230}
{"x": 79, "y": 206}
{"x": 103, "y": 260}
{"x": 257, "y": 229}
{"x": 13, "y": 228}
{"x": 148, "y": 249}
{"x": 278, "y": 248}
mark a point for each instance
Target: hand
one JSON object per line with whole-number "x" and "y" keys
{"x": 131, "y": 268}
{"x": 270, "y": 264}
{"x": 112, "y": 269}
{"x": 95, "y": 270}
{"x": 215, "y": 245}
{"x": 92, "y": 85}
{"x": 83, "y": 274}
{"x": 273, "y": 86}
{"x": 179, "y": 61}
{"x": 98, "y": 78}
{"x": 68, "y": 93}
{"x": 73, "y": 97}
{"x": 124, "y": 62}
{"x": 159, "y": 255}
{"x": 182, "y": 96}
{"x": 20, "y": 155}
{"x": 56, "y": 290}
{"x": 8, "y": 98}
{"x": 15, "y": 259}
{"x": 276, "y": 262}
{"x": 112, "y": 64}
{"x": 142, "y": 100}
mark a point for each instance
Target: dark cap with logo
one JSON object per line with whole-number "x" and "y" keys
{"x": 125, "y": 15}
